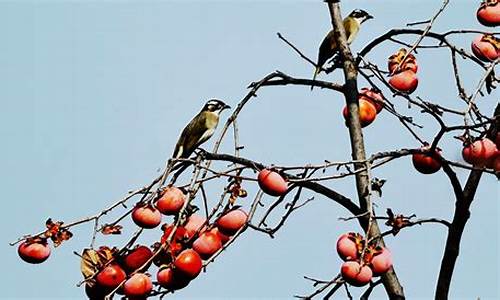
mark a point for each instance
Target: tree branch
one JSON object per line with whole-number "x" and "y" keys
{"x": 461, "y": 216}
{"x": 313, "y": 186}
{"x": 390, "y": 280}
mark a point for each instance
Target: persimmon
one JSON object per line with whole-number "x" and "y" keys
{"x": 207, "y": 244}
{"x": 146, "y": 216}
{"x": 376, "y": 98}
{"x": 488, "y": 13}
{"x": 111, "y": 276}
{"x": 356, "y": 274}
{"x": 480, "y": 152}
{"x": 232, "y": 221}
{"x": 367, "y": 112}
{"x": 347, "y": 246}
{"x": 171, "y": 201}
{"x": 136, "y": 258}
{"x": 405, "y": 81}
{"x": 139, "y": 285}
{"x": 34, "y": 252}
{"x": 426, "y": 163}
{"x": 195, "y": 224}
{"x": 188, "y": 263}
{"x": 223, "y": 238}
{"x": 170, "y": 279}
{"x": 381, "y": 261}
{"x": 486, "y": 47}
{"x": 272, "y": 183}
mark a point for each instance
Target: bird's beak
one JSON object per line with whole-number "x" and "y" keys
{"x": 366, "y": 18}
{"x": 226, "y": 107}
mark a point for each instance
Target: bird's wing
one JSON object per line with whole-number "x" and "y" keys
{"x": 351, "y": 26}
{"x": 327, "y": 49}
{"x": 328, "y": 46}
{"x": 210, "y": 121}
{"x": 192, "y": 136}
{"x": 179, "y": 147}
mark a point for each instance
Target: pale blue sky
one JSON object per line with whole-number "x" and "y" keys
{"x": 94, "y": 95}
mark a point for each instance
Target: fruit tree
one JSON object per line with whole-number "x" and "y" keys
{"x": 180, "y": 223}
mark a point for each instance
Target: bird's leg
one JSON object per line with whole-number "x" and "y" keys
{"x": 201, "y": 152}
{"x": 179, "y": 168}
{"x": 183, "y": 165}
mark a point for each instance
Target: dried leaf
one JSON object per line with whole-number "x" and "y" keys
{"x": 61, "y": 236}
{"x": 242, "y": 193}
{"x": 56, "y": 232}
{"x": 396, "y": 60}
{"x": 52, "y": 228}
{"x": 490, "y": 81}
{"x": 92, "y": 260}
{"x": 106, "y": 253}
{"x": 397, "y": 221}
{"x": 377, "y": 184}
{"x": 89, "y": 263}
{"x": 111, "y": 229}
{"x": 237, "y": 191}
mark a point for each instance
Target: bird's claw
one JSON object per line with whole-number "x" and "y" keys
{"x": 201, "y": 153}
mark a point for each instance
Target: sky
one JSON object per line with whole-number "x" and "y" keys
{"x": 95, "y": 93}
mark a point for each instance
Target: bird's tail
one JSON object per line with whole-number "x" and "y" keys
{"x": 180, "y": 165}
{"x": 316, "y": 72}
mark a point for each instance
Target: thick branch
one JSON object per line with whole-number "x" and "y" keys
{"x": 455, "y": 232}
{"x": 390, "y": 280}
{"x": 313, "y": 186}
{"x": 461, "y": 216}
{"x": 437, "y": 36}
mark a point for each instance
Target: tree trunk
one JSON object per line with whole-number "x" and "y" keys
{"x": 390, "y": 280}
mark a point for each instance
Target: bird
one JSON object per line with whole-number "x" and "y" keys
{"x": 199, "y": 129}
{"x": 329, "y": 48}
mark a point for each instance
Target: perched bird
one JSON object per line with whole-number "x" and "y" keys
{"x": 329, "y": 48}
{"x": 200, "y": 129}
